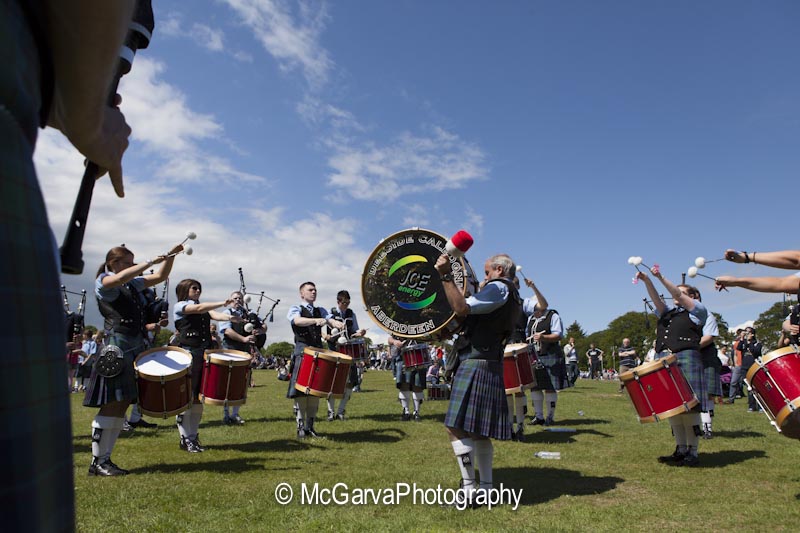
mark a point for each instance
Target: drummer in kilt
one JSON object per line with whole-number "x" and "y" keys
{"x": 679, "y": 332}
{"x": 478, "y": 410}
{"x": 119, "y": 286}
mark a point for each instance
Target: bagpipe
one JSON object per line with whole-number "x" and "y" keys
{"x": 253, "y": 320}
{"x": 74, "y": 321}
{"x": 140, "y": 31}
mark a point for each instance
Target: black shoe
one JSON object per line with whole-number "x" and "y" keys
{"x": 689, "y": 460}
{"x": 105, "y": 469}
{"x": 124, "y": 472}
{"x": 331, "y": 416}
{"x": 549, "y": 421}
{"x": 142, "y": 423}
{"x": 127, "y": 427}
{"x": 535, "y": 421}
{"x": 406, "y": 415}
{"x": 237, "y": 420}
{"x": 708, "y": 435}
{"x": 226, "y": 420}
{"x": 301, "y": 433}
{"x": 197, "y": 443}
{"x": 341, "y": 416}
{"x": 417, "y": 418}
{"x": 513, "y": 434}
{"x": 311, "y": 433}
{"x": 676, "y": 457}
{"x": 192, "y": 446}
{"x": 520, "y": 434}
{"x": 183, "y": 442}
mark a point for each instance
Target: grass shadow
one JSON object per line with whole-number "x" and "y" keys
{"x": 280, "y": 445}
{"x": 729, "y": 457}
{"x": 582, "y": 421}
{"x": 549, "y": 437}
{"x": 544, "y": 484}
{"x": 737, "y": 434}
{"x": 382, "y": 436}
{"x": 223, "y": 467}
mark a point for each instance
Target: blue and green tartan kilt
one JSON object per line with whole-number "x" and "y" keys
{"x": 551, "y": 373}
{"x": 691, "y": 364}
{"x": 415, "y": 378}
{"x": 711, "y": 369}
{"x": 100, "y": 390}
{"x": 478, "y": 400}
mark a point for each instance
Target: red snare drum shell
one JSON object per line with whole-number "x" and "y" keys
{"x": 416, "y": 356}
{"x": 776, "y": 382}
{"x": 323, "y": 373}
{"x": 438, "y": 391}
{"x": 662, "y": 386}
{"x": 517, "y": 370}
{"x": 225, "y": 377}
{"x": 355, "y": 348}
{"x": 164, "y": 381}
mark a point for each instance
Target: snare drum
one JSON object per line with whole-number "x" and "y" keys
{"x": 440, "y": 391}
{"x": 659, "y": 390}
{"x": 225, "y": 377}
{"x": 355, "y": 348}
{"x": 775, "y": 381}
{"x": 164, "y": 380}
{"x": 416, "y": 356}
{"x": 517, "y": 367}
{"x": 323, "y": 373}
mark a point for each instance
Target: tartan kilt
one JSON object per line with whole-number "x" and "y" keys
{"x": 100, "y": 390}
{"x": 711, "y": 369}
{"x": 415, "y": 378}
{"x": 551, "y": 373}
{"x": 691, "y": 364}
{"x": 478, "y": 400}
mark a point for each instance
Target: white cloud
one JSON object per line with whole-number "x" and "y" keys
{"x": 411, "y": 165}
{"x": 205, "y": 36}
{"x": 292, "y": 39}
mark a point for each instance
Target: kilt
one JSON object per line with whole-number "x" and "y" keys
{"x": 36, "y": 446}
{"x": 691, "y": 364}
{"x": 197, "y": 368}
{"x": 100, "y": 390}
{"x": 711, "y": 370}
{"x": 551, "y": 374}
{"x": 415, "y": 378}
{"x": 478, "y": 400}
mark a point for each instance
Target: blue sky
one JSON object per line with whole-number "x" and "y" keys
{"x": 292, "y": 137}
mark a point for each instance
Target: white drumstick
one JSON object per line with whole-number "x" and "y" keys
{"x": 519, "y": 272}
{"x": 190, "y": 235}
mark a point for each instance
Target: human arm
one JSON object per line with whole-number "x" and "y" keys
{"x": 789, "y": 284}
{"x": 85, "y": 37}
{"x": 451, "y": 291}
{"x": 652, "y": 292}
{"x": 678, "y": 297}
{"x": 541, "y": 301}
{"x": 789, "y": 259}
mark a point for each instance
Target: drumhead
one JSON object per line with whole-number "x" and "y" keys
{"x": 401, "y": 288}
{"x": 513, "y": 349}
{"x": 225, "y": 357}
{"x": 327, "y": 354}
{"x": 647, "y": 368}
{"x": 163, "y": 361}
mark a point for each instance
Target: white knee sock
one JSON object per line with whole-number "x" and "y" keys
{"x": 184, "y": 422}
{"x": 346, "y": 398}
{"x": 550, "y": 398}
{"x": 300, "y": 409}
{"x": 691, "y": 423}
{"x": 197, "y": 416}
{"x": 484, "y": 454}
{"x": 465, "y": 457}
{"x": 418, "y": 396}
{"x": 537, "y": 397}
{"x": 136, "y": 414}
{"x": 510, "y": 400}
{"x": 405, "y": 399}
{"x": 104, "y": 434}
{"x": 706, "y": 418}
{"x": 313, "y": 408}
{"x": 679, "y": 432}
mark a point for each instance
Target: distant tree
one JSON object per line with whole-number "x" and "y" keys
{"x": 574, "y": 330}
{"x": 768, "y": 325}
{"x": 280, "y": 349}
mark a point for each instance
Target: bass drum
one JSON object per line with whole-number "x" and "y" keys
{"x": 402, "y": 290}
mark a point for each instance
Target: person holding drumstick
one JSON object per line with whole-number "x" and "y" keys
{"x": 118, "y": 289}
{"x": 193, "y": 321}
{"x": 343, "y": 312}
{"x": 235, "y": 337}
{"x": 307, "y": 321}
{"x": 679, "y": 331}
{"x": 478, "y": 410}
{"x": 410, "y": 383}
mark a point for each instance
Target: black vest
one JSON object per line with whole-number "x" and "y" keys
{"x": 308, "y": 335}
{"x": 488, "y": 333}
{"x": 677, "y": 332}
{"x": 125, "y": 315}
{"x": 194, "y": 330}
{"x": 351, "y": 328}
{"x": 238, "y": 328}
{"x": 545, "y": 327}
{"x": 518, "y": 334}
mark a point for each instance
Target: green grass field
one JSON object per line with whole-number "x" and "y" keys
{"x": 607, "y": 479}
